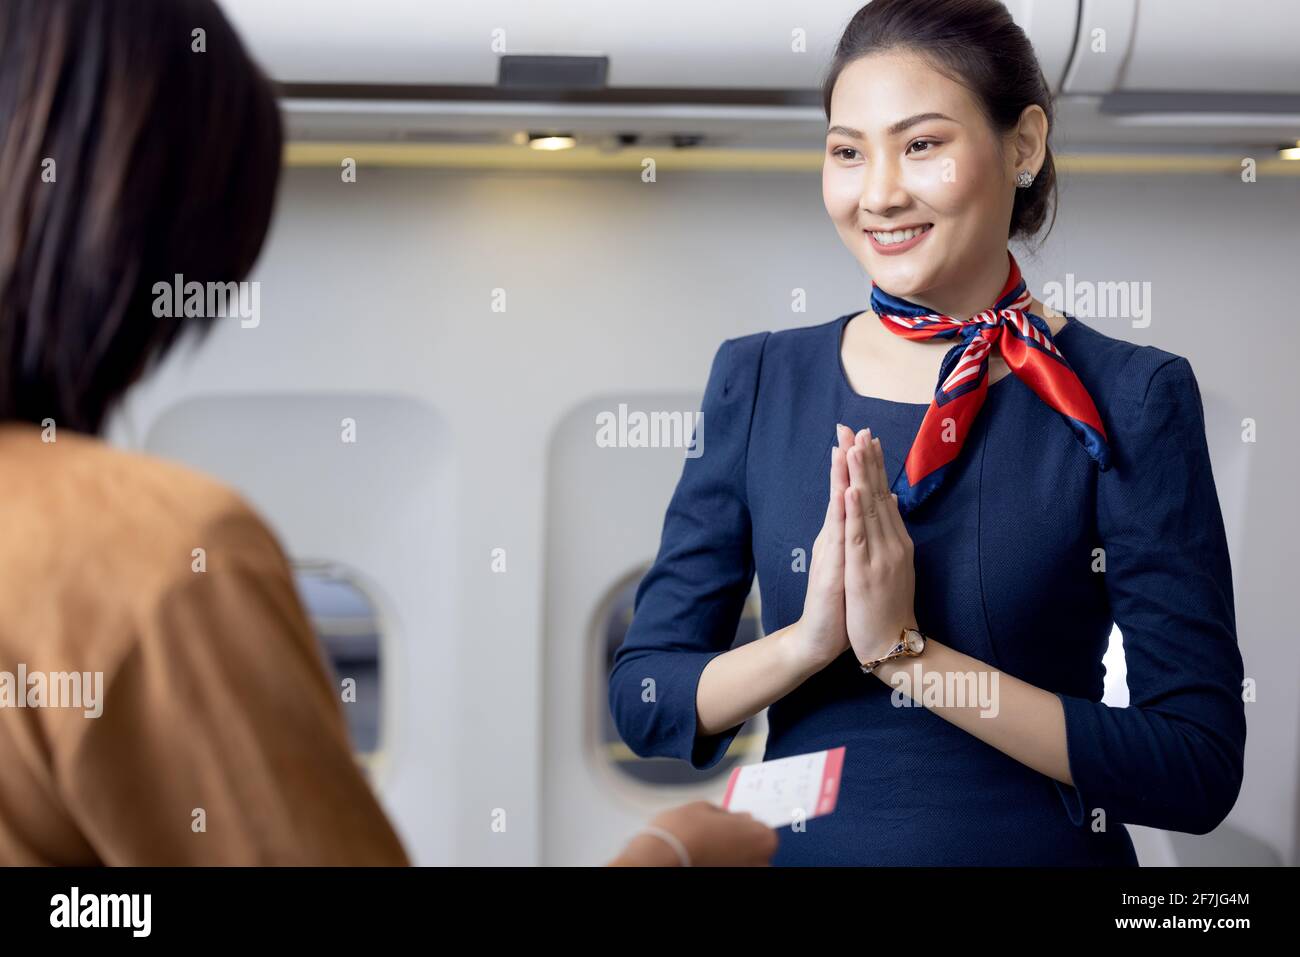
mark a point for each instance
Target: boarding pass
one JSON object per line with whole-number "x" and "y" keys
{"x": 787, "y": 790}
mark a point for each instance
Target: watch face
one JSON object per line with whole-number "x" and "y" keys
{"x": 915, "y": 642}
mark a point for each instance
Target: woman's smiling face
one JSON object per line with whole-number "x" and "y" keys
{"x": 910, "y": 147}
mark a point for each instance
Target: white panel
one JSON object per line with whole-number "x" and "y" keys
{"x": 1050, "y": 26}
{"x": 383, "y": 508}
{"x": 669, "y": 43}
{"x": 722, "y": 43}
{"x": 604, "y": 516}
{"x": 374, "y": 41}
{"x": 1242, "y": 46}
{"x": 1105, "y": 32}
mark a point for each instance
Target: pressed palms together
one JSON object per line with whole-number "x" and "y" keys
{"x": 861, "y": 578}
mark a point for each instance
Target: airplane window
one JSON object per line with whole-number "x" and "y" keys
{"x": 666, "y": 772}
{"x": 347, "y": 626}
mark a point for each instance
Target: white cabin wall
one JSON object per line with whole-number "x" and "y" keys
{"x": 614, "y": 287}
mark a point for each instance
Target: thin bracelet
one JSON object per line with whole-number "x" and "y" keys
{"x": 671, "y": 840}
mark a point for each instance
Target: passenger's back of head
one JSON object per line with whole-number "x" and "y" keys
{"x": 138, "y": 142}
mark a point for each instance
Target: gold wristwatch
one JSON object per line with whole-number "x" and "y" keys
{"x": 910, "y": 644}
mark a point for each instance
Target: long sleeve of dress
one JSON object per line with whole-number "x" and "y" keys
{"x": 689, "y": 603}
{"x": 1173, "y": 759}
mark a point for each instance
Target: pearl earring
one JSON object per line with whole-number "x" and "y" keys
{"x": 1024, "y": 178}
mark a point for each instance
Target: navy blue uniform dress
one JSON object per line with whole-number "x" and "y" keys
{"x": 1009, "y": 554}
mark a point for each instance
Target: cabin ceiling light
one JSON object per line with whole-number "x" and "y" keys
{"x": 551, "y": 141}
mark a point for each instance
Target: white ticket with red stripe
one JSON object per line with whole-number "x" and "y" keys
{"x": 786, "y": 790}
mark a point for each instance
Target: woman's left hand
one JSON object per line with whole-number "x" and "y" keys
{"x": 879, "y": 575}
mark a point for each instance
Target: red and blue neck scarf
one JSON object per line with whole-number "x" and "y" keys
{"x": 1025, "y": 343}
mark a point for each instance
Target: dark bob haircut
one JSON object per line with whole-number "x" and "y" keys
{"x": 138, "y": 141}
{"x": 975, "y": 43}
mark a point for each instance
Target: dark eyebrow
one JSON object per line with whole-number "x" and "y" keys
{"x": 895, "y": 129}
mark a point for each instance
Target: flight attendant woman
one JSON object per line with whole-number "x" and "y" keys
{"x": 983, "y": 487}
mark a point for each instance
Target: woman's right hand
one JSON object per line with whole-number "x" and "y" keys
{"x": 821, "y": 629}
